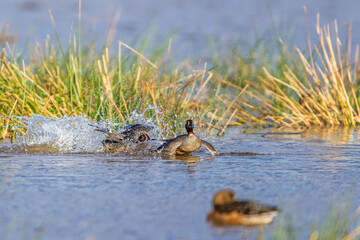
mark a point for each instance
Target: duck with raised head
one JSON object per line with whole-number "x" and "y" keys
{"x": 228, "y": 211}
{"x": 136, "y": 133}
{"x": 185, "y": 144}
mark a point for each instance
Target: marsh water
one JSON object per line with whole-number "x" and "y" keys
{"x": 190, "y": 23}
{"x": 56, "y": 183}
{"x": 82, "y": 193}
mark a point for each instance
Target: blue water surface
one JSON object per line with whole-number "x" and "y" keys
{"x": 103, "y": 196}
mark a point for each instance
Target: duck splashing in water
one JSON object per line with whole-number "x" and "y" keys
{"x": 186, "y": 144}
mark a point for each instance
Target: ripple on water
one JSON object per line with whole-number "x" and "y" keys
{"x": 75, "y": 196}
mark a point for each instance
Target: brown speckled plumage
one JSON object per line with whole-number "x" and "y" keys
{"x": 227, "y": 211}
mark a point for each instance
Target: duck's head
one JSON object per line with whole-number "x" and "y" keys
{"x": 189, "y": 126}
{"x": 224, "y": 197}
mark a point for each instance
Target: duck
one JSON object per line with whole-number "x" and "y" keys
{"x": 185, "y": 144}
{"x": 227, "y": 210}
{"x": 135, "y": 133}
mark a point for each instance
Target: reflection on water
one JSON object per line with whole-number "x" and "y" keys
{"x": 241, "y": 154}
{"x": 334, "y": 135}
{"x": 192, "y": 162}
{"x": 103, "y": 196}
{"x": 241, "y": 232}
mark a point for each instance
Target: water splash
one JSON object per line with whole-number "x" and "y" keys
{"x": 63, "y": 135}
{"x": 77, "y": 134}
{"x": 72, "y": 134}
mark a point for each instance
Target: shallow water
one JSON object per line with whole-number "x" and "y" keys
{"x": 104, "y": 196}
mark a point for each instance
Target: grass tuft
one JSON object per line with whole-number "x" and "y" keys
{"x": 255, "y": 88}
{"x": 324, "y": 93}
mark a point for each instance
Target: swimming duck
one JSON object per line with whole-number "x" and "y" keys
{"x": 185, "y": 144}
{"x": 136, "y": 133}
{"x": 228, "y": 211}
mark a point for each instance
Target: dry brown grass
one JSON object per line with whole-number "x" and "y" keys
{"x": 325, "y": 94}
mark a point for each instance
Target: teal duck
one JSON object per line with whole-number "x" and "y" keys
{"x": 228, "y": 211}
{"x": 185, "y": 144}
{"x": 114, "y": 141}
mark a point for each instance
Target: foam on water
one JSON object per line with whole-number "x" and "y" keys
{"x": 64, "y": 135}
{"x": 69, "y": 134}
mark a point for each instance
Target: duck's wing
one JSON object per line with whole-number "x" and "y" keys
{"x": 209, "y": 147}
{"x": 246, "y": 208}
{"x": 258, "y": 208}
{"x": 170, "y": 146}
